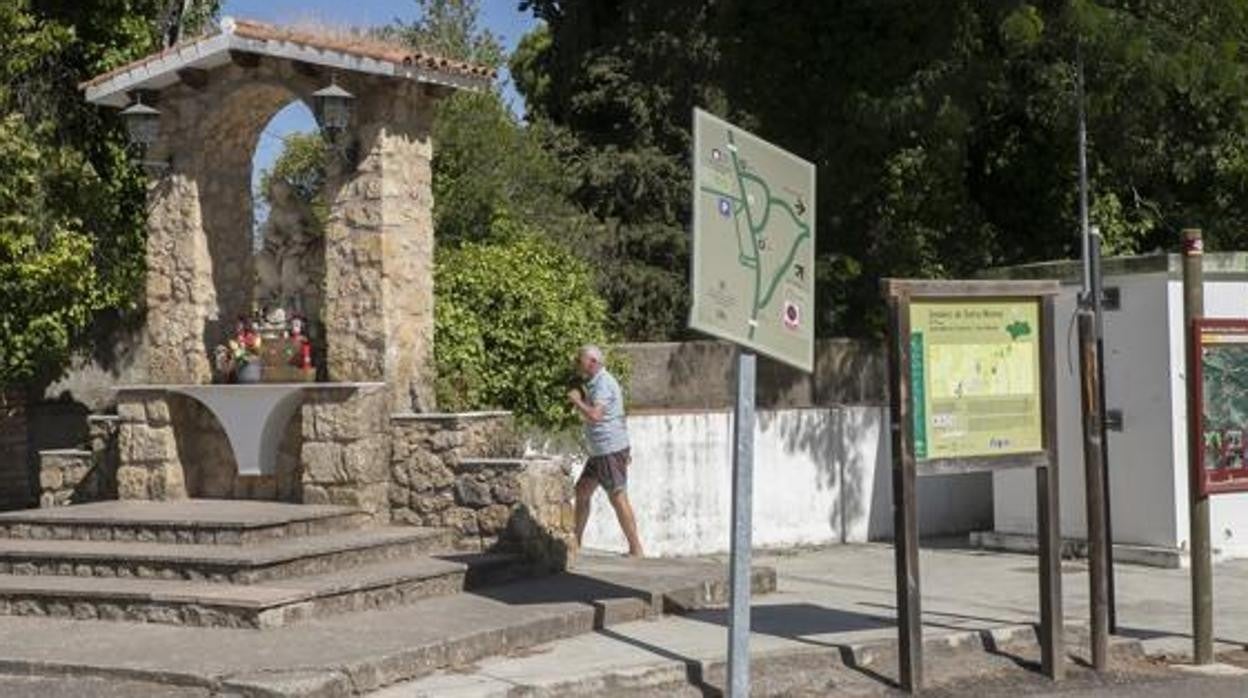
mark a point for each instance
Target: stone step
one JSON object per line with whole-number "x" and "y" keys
{"x": 192, "y": 521}
{"x": 269, "y": 605}
{"x": 238, "y": 564}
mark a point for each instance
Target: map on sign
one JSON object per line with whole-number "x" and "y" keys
{"x": 753, "y": 242}
{"x": 1224, "y": 397}
{"x": 975, "y": 373}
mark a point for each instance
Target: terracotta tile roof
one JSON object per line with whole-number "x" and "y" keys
{"x": 342, "y": 40}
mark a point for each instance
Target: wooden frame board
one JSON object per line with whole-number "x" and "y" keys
{"x": 900, "y": 294}
{"x": 1220, "y": 478}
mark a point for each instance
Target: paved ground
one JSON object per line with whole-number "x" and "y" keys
{"x": 842, "y": 597}
{"x": 831, "y": 603}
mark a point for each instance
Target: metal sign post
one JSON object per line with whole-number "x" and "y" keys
{"x": 742, "y": 525}
{"x": 753, "y": 284}
{"x": 973, "y": 388}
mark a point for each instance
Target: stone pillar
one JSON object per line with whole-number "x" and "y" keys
{"x": 16, "y": 489}
{"x": 379, "y": 250}
{"x": 148, "y": 464}
{"x": 181, "y": 299}
{"x": 346, "y": 449}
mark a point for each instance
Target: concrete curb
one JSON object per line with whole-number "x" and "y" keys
{"x": 784, "y": 672}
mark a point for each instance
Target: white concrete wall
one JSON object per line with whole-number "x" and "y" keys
{"x": 1145, "y": 377}
{"x": 1138, "y": 381}
{"x": 821, "y": 476}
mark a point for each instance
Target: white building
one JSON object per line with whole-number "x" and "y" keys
{"x": 1144, "y": 378}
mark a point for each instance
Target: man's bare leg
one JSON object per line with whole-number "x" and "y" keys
{"x": 628, "y": 521}
{"x": 584, "y": 497}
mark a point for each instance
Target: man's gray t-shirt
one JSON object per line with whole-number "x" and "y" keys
{"x": 610, "y": 434}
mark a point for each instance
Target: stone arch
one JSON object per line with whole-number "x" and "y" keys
{"x": 379, "y": 238}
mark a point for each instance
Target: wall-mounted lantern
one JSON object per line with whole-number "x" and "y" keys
{"x": 142, "y": 124}
{"x": 333, "y": 106}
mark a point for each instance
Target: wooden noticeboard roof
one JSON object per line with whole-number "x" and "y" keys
{"x": 898, "y": 288}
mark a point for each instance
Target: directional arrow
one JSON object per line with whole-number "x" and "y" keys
{"x": 801, "y": 207}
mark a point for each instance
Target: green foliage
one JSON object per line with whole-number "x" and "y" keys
{"x": 71, "y": 204}
{"x": 48, "y": 287}
{"x": 486, "y": 165}
{"x": 943, "y": 132}
{"x": 612, "y": 86}
{"x": 451, "y": 29}
{"x": 510, "y": 315}
{"x": 301, "y": 165}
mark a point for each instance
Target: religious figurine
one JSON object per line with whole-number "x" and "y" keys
{"x": 302, "y": 357}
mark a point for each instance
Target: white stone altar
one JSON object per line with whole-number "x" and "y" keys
{"x": 253, "y": 416}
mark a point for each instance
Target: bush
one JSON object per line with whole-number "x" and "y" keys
{"x": 510, "y": 315}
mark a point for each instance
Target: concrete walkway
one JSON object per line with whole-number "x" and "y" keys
{"x": 840, "y": 600}
{"x": 540, "y": 637}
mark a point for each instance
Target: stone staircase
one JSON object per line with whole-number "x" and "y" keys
{"x": 223, "y": 563}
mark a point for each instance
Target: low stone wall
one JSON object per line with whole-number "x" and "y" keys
{"x": 464, "y": 472}
{"x": 427, "y": 450}
{"x": 15, "y": 485}
{"x": 346, "y": 449}
{"x": 61, "y": 475}
{"x": 77, "y": 476}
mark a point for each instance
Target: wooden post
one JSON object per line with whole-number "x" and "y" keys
{"x": 1048, "y": 517}
{"x": 1098, "y": 568}
{"x": 1198, "y": 506}
{"x": 905, "y": 507}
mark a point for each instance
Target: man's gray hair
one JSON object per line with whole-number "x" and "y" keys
{"x": 592, "y": 351}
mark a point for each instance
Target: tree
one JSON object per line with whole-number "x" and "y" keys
{"x": 71, "y": 204}
{"x": 301, "y": 165}
{"x": 944, "y": 133}
{"x": 613, "y": 85}
{"x": 450, "y": 29}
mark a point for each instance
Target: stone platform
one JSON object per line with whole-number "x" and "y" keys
{"x": 225, "y": 563}
{"x": 343, "y": 655}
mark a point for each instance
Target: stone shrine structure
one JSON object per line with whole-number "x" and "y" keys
{"x": 215, "y": 94}
{"x": 368, "y": 439}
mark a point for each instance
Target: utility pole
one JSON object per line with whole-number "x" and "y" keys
{"x": 1093, "y": 295}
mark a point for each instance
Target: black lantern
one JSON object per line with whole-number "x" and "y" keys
{"x": 142, "y": 124}
{"x": 333, "y": 106}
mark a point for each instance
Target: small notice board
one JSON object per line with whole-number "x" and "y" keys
{"x": 972, "y": 386}
{"x": 1222, "y": 393}
{"x": 975, "y": 378}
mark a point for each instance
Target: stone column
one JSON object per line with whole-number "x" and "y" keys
{"x": 379, "y": 250}
{"x": 180, "y": 294}
{"x": 148, "y": 464}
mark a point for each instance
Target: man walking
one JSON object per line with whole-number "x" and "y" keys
{"x": 601, "y": 408}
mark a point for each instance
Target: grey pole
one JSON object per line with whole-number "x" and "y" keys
{"x": 1198, "y": 506}
{"x": 1098, "y": 293}
{"x": 742, "y": 522}
{"x": 1083, "y": 177}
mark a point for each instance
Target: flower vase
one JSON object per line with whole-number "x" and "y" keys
{"x": 250, "y": 372}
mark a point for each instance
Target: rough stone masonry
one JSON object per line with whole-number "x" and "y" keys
{"x": 378, "y": 284}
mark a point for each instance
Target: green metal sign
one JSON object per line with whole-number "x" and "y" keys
{"x": 753, "y": 243}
